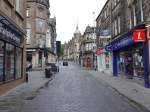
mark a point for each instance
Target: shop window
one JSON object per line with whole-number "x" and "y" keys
{"x": 18, "y": 60}
{"x": 1, "y": 61}
{"x": 9, "y": 62}
{"x": 138, "y": 63}
{"x": 107, "y": 60}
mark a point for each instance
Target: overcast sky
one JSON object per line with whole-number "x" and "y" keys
{"x": 70, "y": 12}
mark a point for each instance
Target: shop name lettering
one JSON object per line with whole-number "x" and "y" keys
{"x": 8, "y": 33}
{"x": 122, "y": 43}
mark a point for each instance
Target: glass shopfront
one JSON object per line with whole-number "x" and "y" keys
{"x": 18, "y": 62}
{"x": 130, "y": 63}
{"x": 1, "y": 61}
{"x": 11, "y": 52}
{"x": 107, "y": 60}
{"x": 138, "y": 62}
{"x": 10, "y": 62}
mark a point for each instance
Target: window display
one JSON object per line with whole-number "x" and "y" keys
{"x": 107, "y": 59}
{"x": 138, "y": 63}
{"x": 1, "y": 61}
{"x": 9, "y": 62}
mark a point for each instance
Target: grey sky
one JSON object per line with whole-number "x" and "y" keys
{"x": 69, "y": 12}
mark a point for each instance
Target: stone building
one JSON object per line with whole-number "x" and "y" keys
{"x": 51, "y": 41}
{"x": 12, "y": 43}
{"x": 72, "y": 48}
{"x": 76, "y": 45}
{"x": 88, "y": 48}
{"x": 66, "y": 51}
{"x": 37, "y": 14}
{"x": 130, "y": 38}
{"x": 103, "y": 24}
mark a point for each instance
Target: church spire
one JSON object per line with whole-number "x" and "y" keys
{"x": 77, "y": 29}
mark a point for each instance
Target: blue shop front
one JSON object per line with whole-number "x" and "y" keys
{"x": 130, "y": 57}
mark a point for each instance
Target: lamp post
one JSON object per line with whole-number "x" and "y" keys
{"x": 94, "y": 48}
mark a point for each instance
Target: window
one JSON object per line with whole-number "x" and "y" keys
{"x": 115, "y": 2}
{"x": 119, "y": 29}
{"x": 27, "y": 12}
{"x": 28, "y": 36}
{"x": 18, "y": 5}
{"x": 9, "y": 62}
{"x": 1, "y": 61}
{"x": 18, "y": 63}
{"x": 130, "y": 19}
{"x": 116, "y": 27}
{"x": 141, "y": 8}
{"x": 134, "y": 15}
{"x": 40, "y": 25}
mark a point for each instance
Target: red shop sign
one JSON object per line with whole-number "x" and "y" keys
{"x": 99, "y": 51}
{"x": 139, "y": 35}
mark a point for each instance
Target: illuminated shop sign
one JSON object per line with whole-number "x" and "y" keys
{"x": 9, "y": 34}
{"x": 139, "y": 35}
{"x": 127, "y": 41}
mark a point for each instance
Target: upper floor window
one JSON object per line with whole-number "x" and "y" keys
{"x": 141, "y": 8}
{"x": 40, "y": 25}
{"x": 119, "y": 24}
{"x": 28, "y": 36}
{"x": 27, "y": 12}
{"x": 18, "y": 5}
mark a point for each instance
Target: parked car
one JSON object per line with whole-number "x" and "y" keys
{"x": 65, "y": 63}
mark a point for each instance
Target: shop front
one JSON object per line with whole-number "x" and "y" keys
{"x": 88, "y": 60}
{"x": 130, "y": 55}
{"x": 37, "y": 57}
{"x": 104, "y": 60}
{"x": 11, "y": 55}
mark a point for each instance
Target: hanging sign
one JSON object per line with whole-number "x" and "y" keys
{"x": 99, "y": 51}
{"x": 139, "y": 35}
{"x": 105, "y": 34}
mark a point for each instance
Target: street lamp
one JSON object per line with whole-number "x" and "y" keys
{"x": 94, "y": 48}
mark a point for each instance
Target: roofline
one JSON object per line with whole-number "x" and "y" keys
{"x": 102, "y": 9}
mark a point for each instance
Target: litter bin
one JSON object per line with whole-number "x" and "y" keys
{"x": 48, "y": 73}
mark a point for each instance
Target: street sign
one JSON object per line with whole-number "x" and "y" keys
{"x": 139, "y": 35}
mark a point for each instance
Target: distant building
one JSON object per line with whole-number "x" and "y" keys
{"x": 129, "y": 49}
{"x": 76, "y": 46}
{"x": 88, "y": 48}
{"x": 37, "y": 15}
{"x": 103, "y": 24}
{"x": 51, "y": 41}
{"x": 12, "y": 43}
{"x": 72, "y": 48}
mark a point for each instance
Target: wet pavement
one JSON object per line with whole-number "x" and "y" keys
{"x": 76, "y": 90}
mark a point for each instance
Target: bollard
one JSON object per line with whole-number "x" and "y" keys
{"x": 26, "y": 77}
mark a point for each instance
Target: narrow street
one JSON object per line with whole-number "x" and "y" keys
{"x": 76, "y": 90}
